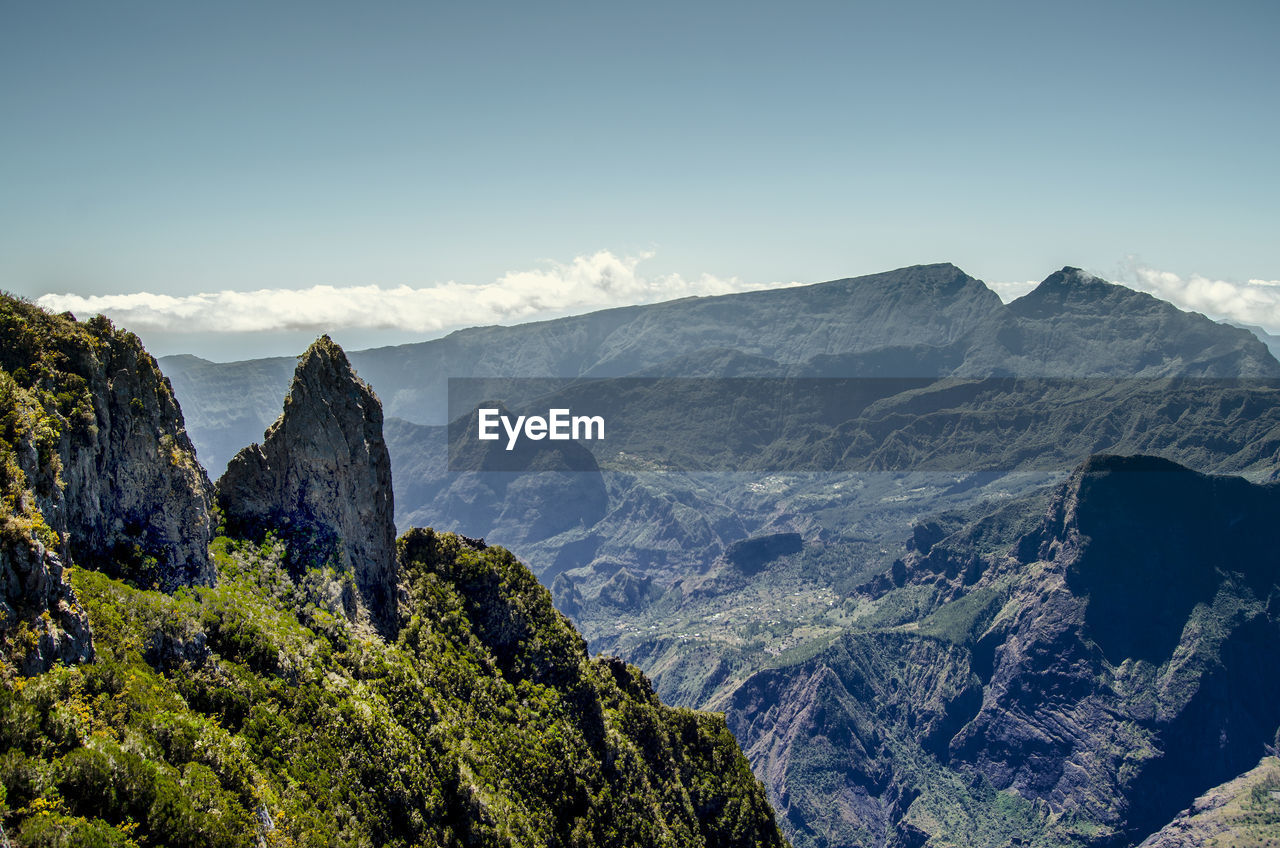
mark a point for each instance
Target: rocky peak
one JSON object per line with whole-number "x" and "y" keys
{"x": 1072, "y": 290}
{"x": 137, "y": 502}
{"x": 942, "y": 286}
{"x": 942, "y": 278}
{"x": 322, "y": 479}
{"x": 104, "y": 449}
{"x": 96, "y": 470}
{"x": 1098, "y": 328}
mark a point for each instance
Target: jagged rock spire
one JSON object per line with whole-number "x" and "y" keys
{"x": 322, "y": 479}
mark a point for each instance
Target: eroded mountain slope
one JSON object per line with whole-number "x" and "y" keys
{"x": 1078, "y": 683}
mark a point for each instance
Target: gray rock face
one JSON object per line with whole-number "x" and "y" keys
{"x": 97, "y": 470}
{"x": 51, "y": 624}
{"x": 322, "y": 479}
{"x": 1103, "y": 655}
{"x": 135, "y": 500}
{"x": 1134, "y": 670}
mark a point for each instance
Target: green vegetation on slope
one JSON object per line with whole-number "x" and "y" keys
{"x": 41, "y": 396}
{"x": 246, "y": 705}
{"x": 250, "y": 711}
{"x": 1242, "y": 813}
{"x": 1071, "y": 680}
{"x": 91, "y": 439}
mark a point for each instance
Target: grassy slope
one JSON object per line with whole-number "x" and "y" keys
{"x": 218, "y": 716}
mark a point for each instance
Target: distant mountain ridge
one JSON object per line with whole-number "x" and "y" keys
{"x": 1271, "y": 340}
{"x": 928, "y": 320}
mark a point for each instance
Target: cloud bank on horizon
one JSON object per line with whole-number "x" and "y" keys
{"x": 1255, "y": 302}
{"x": 595, "y": 281}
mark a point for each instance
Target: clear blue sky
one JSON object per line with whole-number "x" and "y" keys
{"x": 176, "y": 148}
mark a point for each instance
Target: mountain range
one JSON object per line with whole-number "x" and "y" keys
{"x": 931, "y": 320}
{"x": 1034, "y": 602}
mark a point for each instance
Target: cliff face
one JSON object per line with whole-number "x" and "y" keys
{"x": 133, "y": 490}
{"x": 1244, "y": 811}
{"x": 322, "y": 479}
{"x": 41, "y": 620}
{"x": 97, "y": 471}
{"x": 1064, "y": 671}
{"x": 1136, "y": 670}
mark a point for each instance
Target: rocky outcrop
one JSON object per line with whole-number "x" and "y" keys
{"x": 322, "y": 479}
{"x": 626, "y": 591}
{"x": 103, "y": 449}
{"x": 566, "y": 595}
{"x": 1097, "y": 328}
{"x": 96, "y": 469}
{"x": 41, "y": 622}
{"x": 134, "y": 501}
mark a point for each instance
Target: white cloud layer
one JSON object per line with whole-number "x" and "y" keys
{"x": 1012, "y": 291}
{"x": 1255, "y": 302}
{"x": 588, "y": 282}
